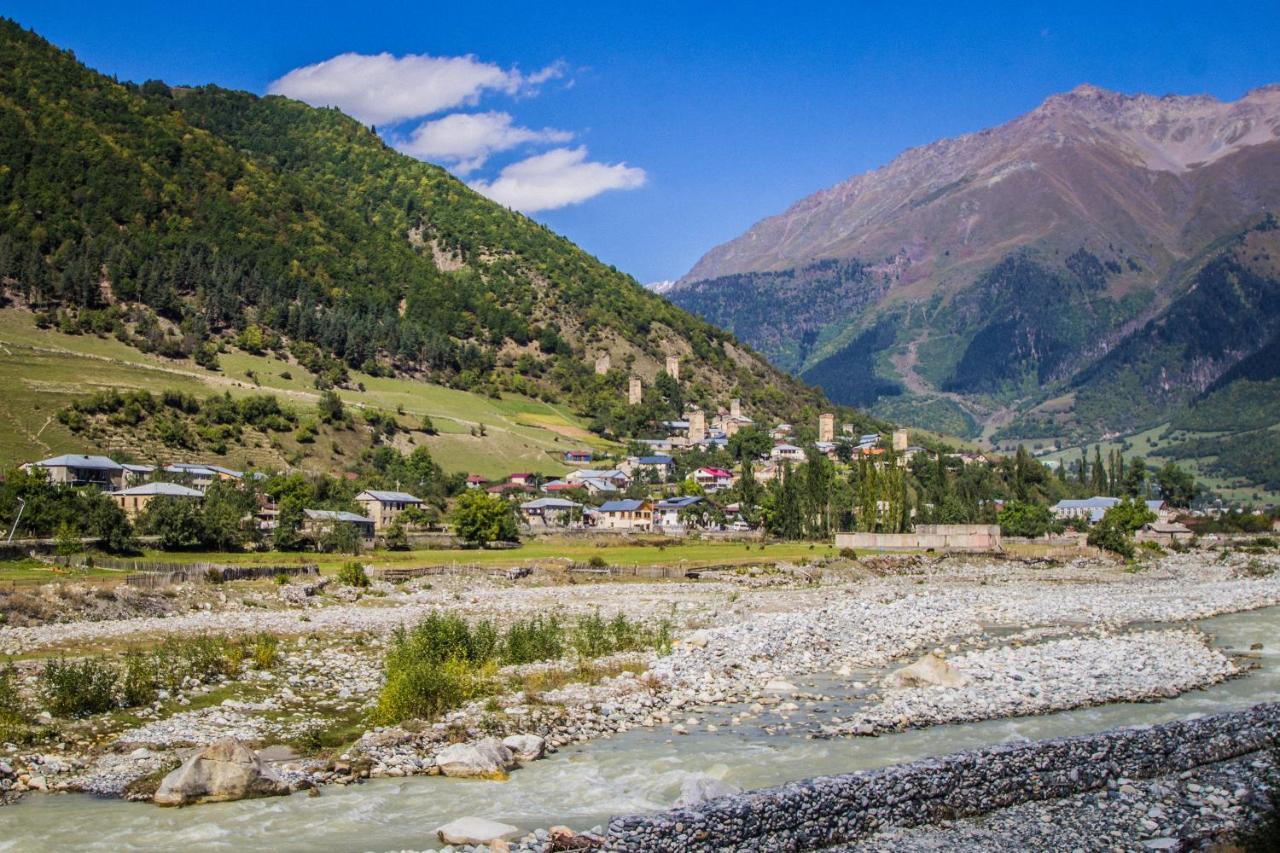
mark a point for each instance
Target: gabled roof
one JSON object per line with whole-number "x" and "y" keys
{"x": 336, "y": 515}
{"x": 549, "y": 503}
{"x": 680, "y": 502}
{"x": 79, "y": 460}
{"x": 172, "y": 490}
{"x": 390, "y": 497}
{"x": 785, "y": 448}
{"x": 714, "y": 472}
{"x": 599, "y": 485}
{"x": 185, "y": 468}
{"x": 137, "y": 469}
{"x": 622, "y": 506}
{"x": 596, "y": 474}
{"x": 580, "y": 454}
{"x": 560, "y": 486}
{"x": 655, "y": 460}
{"x": 1087, "y": 503}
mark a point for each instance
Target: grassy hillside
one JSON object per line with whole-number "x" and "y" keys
{"x": 181, "y": 220}
{"x": 44, "y": 371}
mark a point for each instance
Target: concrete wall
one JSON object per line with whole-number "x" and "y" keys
{"x": 831, "y": 810}
{"x": 939, "y": 537}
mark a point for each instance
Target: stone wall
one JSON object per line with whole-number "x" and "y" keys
{"x": 830, "y": 810}
{"x": 939, "y": 537}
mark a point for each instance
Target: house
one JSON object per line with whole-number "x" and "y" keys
{"x": 475, "y": 481}
{"x": 134, "y": 499}
{"x": 577, "y": 457}
{"x": 626, "y": 515}
{"x": 74, "y": 469}
{"x": 713, "y": 480}
{"x": 658, "y": 468}
{"x": 557, "y": 486}
{"x": 317, "y": 522}
{"x": 619, "y": 479}
{"x": 786, "y": 453}
{"x": 134, "y": 474}
{"x": 765, "y": 473}
{"x": 1091, "y": 509}
{"x": 781, "y": 432}
{"x": 551, "y": 512}
{"x": 1164, "y": 533}
{"x": 667, "y": 512}
{"x": 385, "y": 507}
{"x": 521, "y": 479}
{"x": 597, "y": 486}
{"x": 202, "y": 476}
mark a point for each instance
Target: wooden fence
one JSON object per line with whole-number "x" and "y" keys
{"x": 152, "y": 573}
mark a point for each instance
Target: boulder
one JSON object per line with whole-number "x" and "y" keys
{"x": 780, "y": 685}
{"x": 223, "y": 771}
{"x": 475, "y": 830}
{"x": 482, "y": 759}
{"x": 701, "y": 787}
{"x": 929, "y": 671}
{"x": 525, "y": 747}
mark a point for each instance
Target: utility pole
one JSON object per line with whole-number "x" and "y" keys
{"x": 22, "y": 505}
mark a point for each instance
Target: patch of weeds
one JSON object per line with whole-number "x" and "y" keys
{"x": 78, "y": 688}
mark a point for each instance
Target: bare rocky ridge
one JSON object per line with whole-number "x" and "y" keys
{"x": 1088, "y": 164}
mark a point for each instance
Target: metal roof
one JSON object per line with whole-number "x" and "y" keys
{"x": 386, "y": 497}
{"x": 172, "y": 490}
{"x": 78, "y": 460}
{"x": 680, "y": 502}
{"x": 336, "y": 515}
{"x": 549, "y": 503}
{"x": 621, "y": 506}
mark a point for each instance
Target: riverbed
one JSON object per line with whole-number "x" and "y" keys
{"x": 584, "y": 785}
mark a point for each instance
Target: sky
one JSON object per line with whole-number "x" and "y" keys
{"x": 648, "y": 132}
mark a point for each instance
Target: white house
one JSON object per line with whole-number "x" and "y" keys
{"x": 713, "y": 480}
{"x": 667, "y": 512}
{"x": 75, "y": 469}
{"x": 551, "y": 512}
{"x": 786, "y": 453}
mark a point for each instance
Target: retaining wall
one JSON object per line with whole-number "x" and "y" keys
{"x": 830, "y": 810}
{"x": 939, "y": 537}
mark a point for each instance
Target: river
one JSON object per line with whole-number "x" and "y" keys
{"x": 584, "y": 785}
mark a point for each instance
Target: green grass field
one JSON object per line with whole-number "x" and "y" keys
{"x": 545, "y": 552}
{"x": 621, "y": 553}
{"x": 41, "y": 371}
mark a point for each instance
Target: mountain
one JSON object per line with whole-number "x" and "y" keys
{"x": 191, "y": 220}
{"x": 1014, "y": 279}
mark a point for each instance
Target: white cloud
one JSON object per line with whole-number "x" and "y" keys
{"x": 383, "y": 88}
{"x": 465, "y": 140}
{"x": 560, "y": 177}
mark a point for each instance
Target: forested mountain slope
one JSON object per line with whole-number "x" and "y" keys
{"x": 184, "y": 220}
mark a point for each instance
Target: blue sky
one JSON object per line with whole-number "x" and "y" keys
{"x": 703, "y": 118}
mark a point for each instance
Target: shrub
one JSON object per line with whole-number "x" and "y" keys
{"x": 353, "y": 574}
{"x": 531, "y": 640}
{"x": 597, "y": 562}
{"x": 139, "y": 684}
{"x": 78, "y": 688}
{"x": 12, "y": 715}
{"x": 1109, "y": 536}
{"x": 848, "y": 553}
{"x": 265, "y": 650}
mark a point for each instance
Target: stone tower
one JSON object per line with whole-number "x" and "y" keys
{"x": 697, "y": 427}
{"x": 735, "y": 408}
{"x": 603, "y": 363}
{"x": 899, "y": 440}
{"x": 673, "y": 367}
{"x": 635, "y": 392}
{"x": 826, "y": 427}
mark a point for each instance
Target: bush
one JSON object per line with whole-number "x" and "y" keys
{"x": 848, "y": 553}
{"x": 265, "y": 651}
{"x": 140, "y": 683}
{"x": 78, "y": 688}
{"x": 353, "y": 574}
{"x": 531, "y": 640}
{"x": 13, "y": 718}
{"x": 597, "y": 562}
{"x": 1109, "y": 536}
